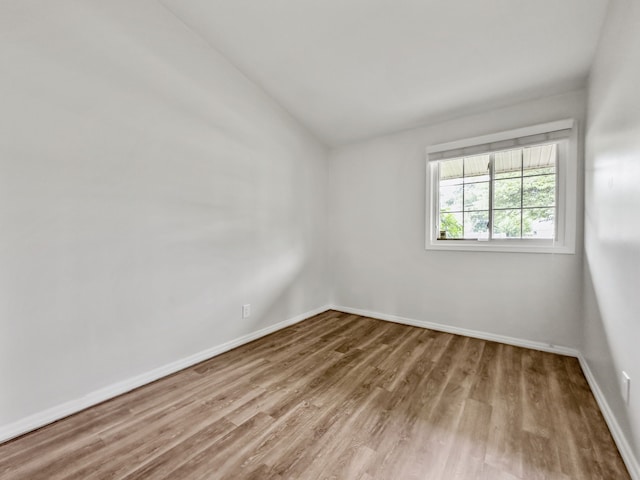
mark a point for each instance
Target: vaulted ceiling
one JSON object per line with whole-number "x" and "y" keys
{"x": 352, "y": 69}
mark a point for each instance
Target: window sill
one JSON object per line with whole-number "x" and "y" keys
{"x": 513, "y": 247}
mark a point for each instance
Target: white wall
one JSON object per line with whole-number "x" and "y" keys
{"x": 147, "y": 190}
{"x": 377, "y": 236}
{"x": 612, "y": 216}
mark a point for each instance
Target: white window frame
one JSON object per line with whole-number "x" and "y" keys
{"x": 566, "y": 202}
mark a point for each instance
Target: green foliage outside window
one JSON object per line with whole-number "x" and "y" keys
{"x": 535, "y": 193}
{"x": 450, "y": 224}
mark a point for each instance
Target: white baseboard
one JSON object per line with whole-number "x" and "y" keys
{"x": 518, "y": 342}
{"x": 58, "y": 412}
{"x": 40, "y": 419}
{"x": 626, "y": 452}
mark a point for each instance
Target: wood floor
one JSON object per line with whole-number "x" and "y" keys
{"x": 344, "y": 397}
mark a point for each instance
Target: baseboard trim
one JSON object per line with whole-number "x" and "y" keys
{"x": 61, "y": 411}
{"x": 518, "y": 342}
{"x": 66, "y": 409}
{"x": 626, "y": 452}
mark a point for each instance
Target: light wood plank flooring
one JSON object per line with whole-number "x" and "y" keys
{"x": 344, "y": 397}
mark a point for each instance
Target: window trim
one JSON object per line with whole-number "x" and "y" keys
{"x": 566, "y": 201}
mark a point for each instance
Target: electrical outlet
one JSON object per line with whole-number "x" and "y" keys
{"x": 246, "y": 310}
{"x": 626, "y": 387}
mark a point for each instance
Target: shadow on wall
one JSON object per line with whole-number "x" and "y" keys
{"x": 599, "y": 354}
{"x": 275, "y": 287}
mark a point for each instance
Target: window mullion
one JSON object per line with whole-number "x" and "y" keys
{"x": 463, "y": 184}
{"x": 557, "y": 192}
{"x": 521, "y": 192}
{"x": 435, "y": 199}
{"x": 491, "y": 180}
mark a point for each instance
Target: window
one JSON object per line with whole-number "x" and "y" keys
{"x": 506, "y": 194}
{"x": 513, "y": 191}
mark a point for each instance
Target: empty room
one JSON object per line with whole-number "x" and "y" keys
{"x": 296, "y": 239}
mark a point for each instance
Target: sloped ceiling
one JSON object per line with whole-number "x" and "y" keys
{"x": 352, "y": 69}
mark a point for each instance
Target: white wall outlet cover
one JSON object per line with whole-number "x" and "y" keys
{"x": 626, "y": 386}
{"x": 246, "y": 310}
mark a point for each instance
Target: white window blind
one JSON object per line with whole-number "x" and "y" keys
{"x": 516, "y": 138}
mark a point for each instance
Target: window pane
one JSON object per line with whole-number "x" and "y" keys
{"x": 501, "y": 195}
{"x": 506, "y": 223}
{"x": 539, "y": 191}
{"x": 476, "y": 168}
{"x": 476, "y": 196}
{"x": 539, "y": 223}
{"x": 451, "y": 223}
{"x": 451, "y": 172}
{"x": 539, "y": 171}
{"x": 451, "y": 198}
{"x": 539, "y": 160}
{"x": 508, "y": 164}
{"x": 476, "y": 224}
{"x": 507, "y": 193}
